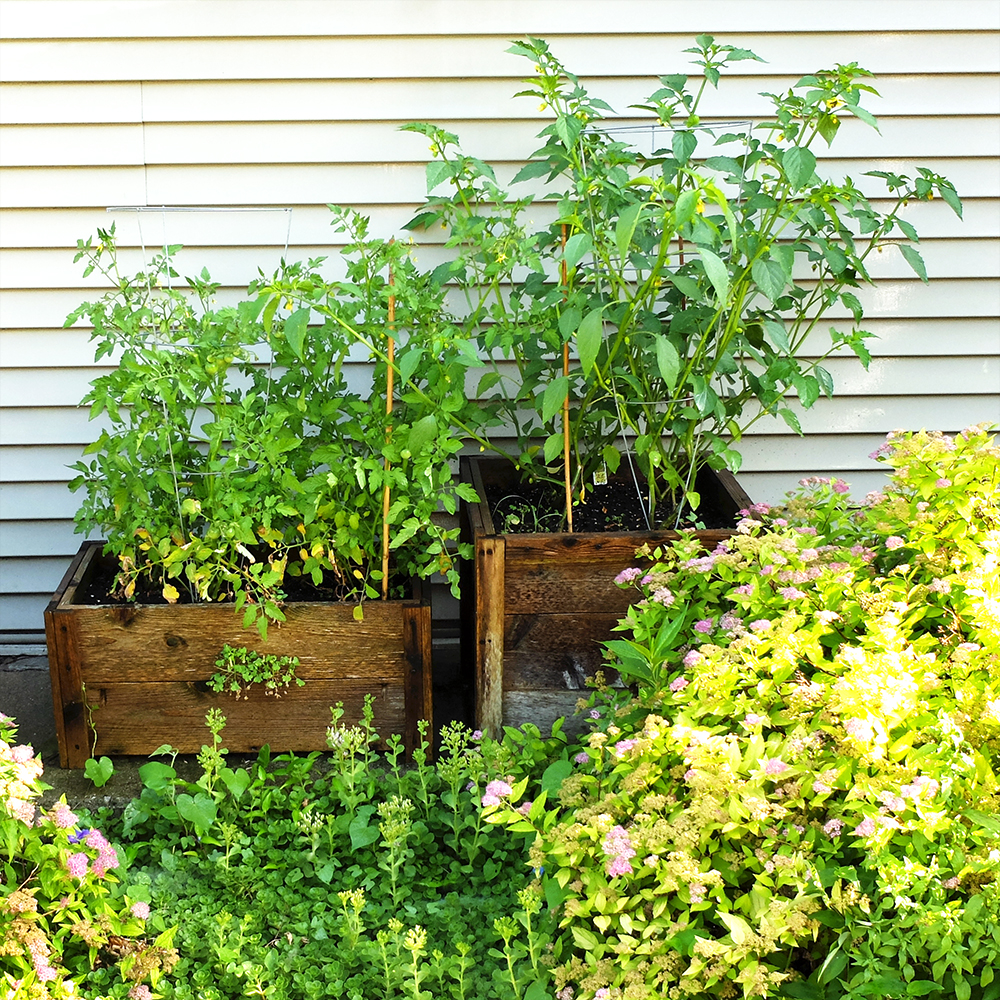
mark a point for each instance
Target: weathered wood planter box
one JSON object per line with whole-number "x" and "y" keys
{"x": 539, "y": 605}
{"x": 128, "y": 678}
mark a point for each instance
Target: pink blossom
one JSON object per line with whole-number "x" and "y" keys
{"x": 566, "y": 993}
{"x": 618, "y": 865}
{"x": 595, "y": 713}
{"x": 744, "y": 590}
{"x": 780, "y": 522}
{"x": 678, "y": 684}
{"x": 525, "y": 807}
{"x": 690, "y": 774}
{"x": 663, "y": 596}
{"x": 63, "y": 817}
{"x": 839, "y": 486}
{"x": 773, "y": 766}
{"x": 604, "y": 993}
{"x": 628, "y": 575}
{"x": 760, "y": 625}
{"x": 582, "y": 758}
{"x": 704, "y": 626}
{"x": 894, "y": 542}
{"x": 696, "y": 893}
{"x": 753, "y": 719}
{"x": 791, "y": 593}
{"x": 477, "y": 736}
{"x": 495, "y": 791}
{"x": 942, "y": 483}
{"x": 692, "y": 657}
{"x": 865, "y": 828}
{"x": 618, "y": 842}
{"x": 140, "y": 910}
{"x": 76, "y": 864}
{"x": 140, "y": 992}
{"x": 950, "y": 883}
{"x": 21, "y": 754}
{"x": 833, "y": 827}
{"x": 623, "y": 747}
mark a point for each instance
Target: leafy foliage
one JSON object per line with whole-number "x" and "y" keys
{"x": 799, "y": 795}
{"x": 688, "y": 281}
{"x": 238, "y": 457}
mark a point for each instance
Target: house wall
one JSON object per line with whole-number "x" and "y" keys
{"x": 247, "y": 104}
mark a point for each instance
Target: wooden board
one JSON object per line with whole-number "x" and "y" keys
{"x": 545, "y": 603}
{"x": 137, "y": 673}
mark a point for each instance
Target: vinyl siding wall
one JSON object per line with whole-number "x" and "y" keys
{"x": 230, "y": 104}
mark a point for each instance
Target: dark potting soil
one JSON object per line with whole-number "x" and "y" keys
{"x": 616, "y": 506}
{"x": 97, "y": 587}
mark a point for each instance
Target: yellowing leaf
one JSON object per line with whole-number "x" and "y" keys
{"x": 170, "y": 593}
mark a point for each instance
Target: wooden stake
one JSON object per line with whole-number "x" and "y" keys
{"x": 388, "y": 432}
{"x": 566, "y": 475}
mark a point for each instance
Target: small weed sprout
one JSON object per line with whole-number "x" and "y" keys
{"x": 239, "y": 668}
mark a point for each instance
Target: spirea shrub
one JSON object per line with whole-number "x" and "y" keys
{"x": 62, "y": 910}
{"x": 795, "y": 792}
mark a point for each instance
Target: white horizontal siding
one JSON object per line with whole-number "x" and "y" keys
{"x": 298, "y": 104}
{"x": 195, "y": 18}
{"x": 447, "y": 56}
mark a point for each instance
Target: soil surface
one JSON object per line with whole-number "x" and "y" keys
{"x": 616, "y": 506}
{"x": 98, "y": 584}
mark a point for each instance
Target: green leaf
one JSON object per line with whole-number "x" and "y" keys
{"x": 552, "y": 399}
{"x": 536, "y": 168}
{"x": 915, "y": 261}
{"x": 775, "y": 331}
{"x": 625, "y": 228}
{"x": 200, "y": 811}
{"x": 576, "y": 247}
{"x": 361, "y": 833}
{"x": 588, "y": 338}
{"x": 99, "y": 771}
{"x": 554, "y": 775}
{"x": 799, "y": 165}
{"x": 834, "y": 965}
{"x": 553, "y": 448}
{"x": 854, "y": 304}
{"x": 409, "y": 361}
{"x": 808, "y": 389}
{"x": 866, "y": 116}
{"x": 668, "y": 361}
{"x": 769, "y": 276}
{"x": 538, "y": 990}
{"x": 951, "y": 198}
{"x": 295, "y": 330}
{"x": 424, "y": 430}
{"x": 717, "y": 272}
{"x": 688, "y": 287}
{"x": 683, "y": 145}
{"x": 684, "y": 210}
{"x": 911, "y": 233}
{"x": 584, "y": 938}
{"x": 739, "y": 929}
{"x": 437, "y": 171}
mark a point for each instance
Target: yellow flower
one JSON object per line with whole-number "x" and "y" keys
{"x": 700, "y": 207}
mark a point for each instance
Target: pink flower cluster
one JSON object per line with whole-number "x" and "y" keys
{"x": 495, "y": 791}
{"x": 618, "y": 846}
{"x": 628, "y": 575}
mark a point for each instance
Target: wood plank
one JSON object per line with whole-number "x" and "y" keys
{"x": 559, "y": 651}
{"x": 542, "y": 708}
{"x": 182, "y": 642}
{"x": 138, "y": 718}
{"x": 490, "y": 602}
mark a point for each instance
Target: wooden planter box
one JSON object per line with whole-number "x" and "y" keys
{"x": 538, "y": 606}
{"x": 128, "y": 678}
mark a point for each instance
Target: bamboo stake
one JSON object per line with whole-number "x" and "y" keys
{"x": 569, "y": 489}
{"x": 388, "y": 431}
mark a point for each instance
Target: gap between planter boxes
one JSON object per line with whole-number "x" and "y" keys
{"x": 136, "y": 674}
{"x": 537, "y": 606}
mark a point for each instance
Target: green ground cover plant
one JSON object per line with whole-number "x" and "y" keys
{"x": 792, "y": 793}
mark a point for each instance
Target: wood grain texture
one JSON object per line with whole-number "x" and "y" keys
{"x": 162, "y": 655}
{"x": 489, "y": 599}
{"x": 138, "y": 718}
{"x": 546, "y": 602}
